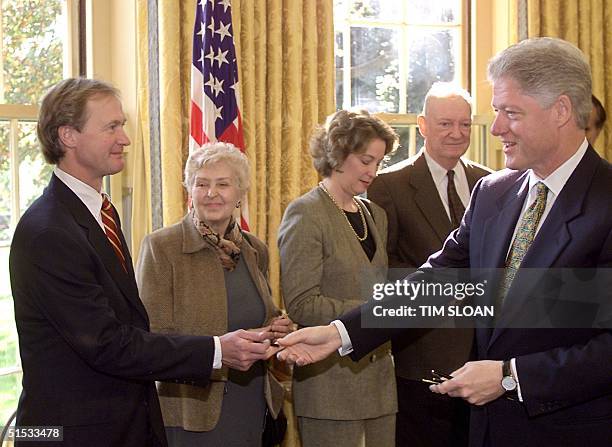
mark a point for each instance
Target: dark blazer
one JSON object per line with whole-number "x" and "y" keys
{"x": 418, "y": 225}
{"x": 89, "y": 360}
{"x": 565, "y": 374}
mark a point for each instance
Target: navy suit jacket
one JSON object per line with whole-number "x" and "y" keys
{"x": 565, "y": 374}
{"x": 89, "y": 360}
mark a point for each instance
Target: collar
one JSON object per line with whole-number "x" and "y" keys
{"x": 89, "y": 196}
{"x": 192, "y": 239}
{"x": 438, "y": 173}
{"x": 557, "y": 180}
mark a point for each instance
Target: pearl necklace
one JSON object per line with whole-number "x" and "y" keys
{"x": 363, "y": 219}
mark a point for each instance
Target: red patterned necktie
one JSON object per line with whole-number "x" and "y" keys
{"x": 111, "y": 230}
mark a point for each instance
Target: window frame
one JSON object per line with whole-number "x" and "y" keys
{"x": 344, "y": 25}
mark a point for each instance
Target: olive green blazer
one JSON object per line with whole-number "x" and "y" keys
{"x": 182, "y": 285}
{"x": 323, "y": 271}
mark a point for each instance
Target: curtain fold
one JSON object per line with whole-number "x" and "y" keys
{"x": 583, "y": 23}
{"x": 286, "y": 70}
{"x": 140, "y": 160}
{"x": 175, "y": 21}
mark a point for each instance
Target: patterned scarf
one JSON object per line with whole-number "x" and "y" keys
{"x": 227, "y": 247}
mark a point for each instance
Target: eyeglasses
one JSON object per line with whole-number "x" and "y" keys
{"x": 437, "y": 378}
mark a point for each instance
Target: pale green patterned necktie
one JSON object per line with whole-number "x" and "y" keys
{"x": 524, "y": 237}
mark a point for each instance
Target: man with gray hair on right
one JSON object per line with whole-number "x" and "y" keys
{"x": 425, "y": 197}
{"x": 530, "y": 387}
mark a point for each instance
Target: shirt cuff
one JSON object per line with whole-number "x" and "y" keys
{"x": 217, "y": 364}
{"x": 347, "y": 344}
{"x": 515, "y": 374}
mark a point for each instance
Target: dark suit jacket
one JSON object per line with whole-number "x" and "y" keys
{"x": 89, "y": 360}
{"x": 565, "y": 374}
{"x": 418, "y": 225}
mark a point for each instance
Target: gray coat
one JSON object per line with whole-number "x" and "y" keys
{"x": 324, "y": 272}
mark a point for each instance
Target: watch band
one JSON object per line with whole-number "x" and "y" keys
{"x": 507, "y": 369}
{"x": 509, "y": 382}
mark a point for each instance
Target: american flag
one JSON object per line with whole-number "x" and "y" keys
{"x": 215, "y": 100}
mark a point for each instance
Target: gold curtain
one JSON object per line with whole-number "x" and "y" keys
{"x": 584, "y": 23}
{"x": 175, "y": 27}
{"x": 139, "y": 154}
{"x": 286, "y": 70}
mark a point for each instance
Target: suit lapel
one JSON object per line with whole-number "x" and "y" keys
{"x": 428, "y": 200}
{"x": 99, "y": 242}
{"x": 470, "y": 175}
{"x": 496, "y": 237}
{"x": 553, "y": 236}
{"x": 499, "y": 228}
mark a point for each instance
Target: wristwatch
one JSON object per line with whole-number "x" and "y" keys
{"x": 508, "y": 382}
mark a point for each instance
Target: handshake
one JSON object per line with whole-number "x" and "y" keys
{"x": 242, "y": 348}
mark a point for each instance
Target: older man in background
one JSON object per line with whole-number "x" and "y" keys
{"x": 425, "y": 197}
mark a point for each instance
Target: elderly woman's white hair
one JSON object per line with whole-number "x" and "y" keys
{"x": 212, "y": 153}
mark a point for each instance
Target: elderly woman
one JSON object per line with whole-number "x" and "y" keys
{"x": 204, "y": 275}
{"x": 332, "y": 247}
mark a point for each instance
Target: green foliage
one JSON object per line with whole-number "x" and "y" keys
{"x": 8, "y": 333}
{"x": 5, "y": 182}
{"x": 32, "y": 48}
{"x": 32, "y": 61}
{"x": 10, "y": 388}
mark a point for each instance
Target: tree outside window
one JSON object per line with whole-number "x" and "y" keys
{"x": 389, "y": 53}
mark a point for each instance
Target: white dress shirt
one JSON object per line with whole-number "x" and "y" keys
{"x": 440, "y": 178}
{"x": 554, "y": 182}
{"x": 92, "y": 199}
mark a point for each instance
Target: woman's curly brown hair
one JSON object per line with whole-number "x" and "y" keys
{"x": 344, "y": 133}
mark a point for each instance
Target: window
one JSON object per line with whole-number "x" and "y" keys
{"x": 33, "y": 36}
{"x": 389, "y": 53}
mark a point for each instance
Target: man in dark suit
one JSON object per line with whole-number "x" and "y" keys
{"x": 549, "y": 210}
{"x": 89, "y": 361}
{"x": 420, "y": 195}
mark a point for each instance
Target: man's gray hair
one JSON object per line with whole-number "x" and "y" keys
{"x": 546, "y": 68}
{"x": 446, "y": 90}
